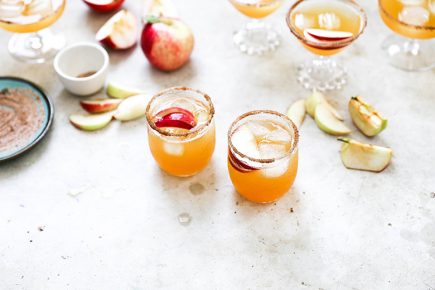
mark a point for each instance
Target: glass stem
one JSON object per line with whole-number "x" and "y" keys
{"x": 412, "y": 47}
{"x": 34, "y": 41}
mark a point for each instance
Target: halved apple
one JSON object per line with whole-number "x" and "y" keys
{"x": 175, "y": 117}
{"x": 118, "y": 91}
{"x": 91, "y": 122}
{"x": 104, "y": 5}
{"x": 131, "y": 108}
{"x": 296, "y": 112}
{"x": 100, "y": 105}
{"x": 317, "y": 98}
{"x": 328, "y": 35}
{"x": 365, "y": 117}
{"x": 361, "y": 156}
{"x": 120, "y": 31}
{"x": 328, "y": 123}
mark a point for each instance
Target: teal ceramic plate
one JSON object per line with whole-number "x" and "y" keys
{"x": 44, "y": 109}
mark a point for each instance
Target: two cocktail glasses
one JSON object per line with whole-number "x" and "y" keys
{"x": 262, "y": 145}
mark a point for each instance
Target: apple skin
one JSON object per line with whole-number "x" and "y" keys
{"x": 100, "y": 106}
{"x": 115, "y": 5}
{"x": 167, "y": 43}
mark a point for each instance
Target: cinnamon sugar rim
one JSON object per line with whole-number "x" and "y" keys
{"x": 295, "y": 136}
{"x": 383, "y": 10}
{"x": 197, "y": 129}
{"x": 330, "y": 44}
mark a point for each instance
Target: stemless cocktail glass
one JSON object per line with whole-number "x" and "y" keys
{"x": 325, "y": 27}
{"x": 256, "y": 37}
{"x": 414, "y": 20}
{"x": 263, "y": 155}
{"x": 181, "y": 130}
{"x": 32, "y": 42}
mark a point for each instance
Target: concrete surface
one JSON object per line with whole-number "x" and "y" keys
{"x": 336, "y": 228}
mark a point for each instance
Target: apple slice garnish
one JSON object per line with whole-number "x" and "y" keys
{"x": 100, "y": 105}
{"x": 361, "y": 156}
{"x": 175, "y": 117}
{"x": 243, "y": 139}
{"x": 131, "y": 108}
{"x": 91, "y": 122}
{"x": 38, "y": 7}
{"x": 120, "y": 31}
{"x": 104, "y": 5}
{"x": 326, "y": 35}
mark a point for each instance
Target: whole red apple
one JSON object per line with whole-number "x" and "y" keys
{"x": 167, "y": 43}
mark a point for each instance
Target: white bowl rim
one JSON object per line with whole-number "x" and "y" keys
{"x": 82, "y": 44}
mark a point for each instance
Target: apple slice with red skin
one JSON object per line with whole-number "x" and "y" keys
{"x": 239, "y": 165}
{"x": 175, "y": 117}
{"x": 104, "y": 6}
{"x": 100, "y": 105}
{"x": 328, "y": 35}
{"x": 120, "y": 31}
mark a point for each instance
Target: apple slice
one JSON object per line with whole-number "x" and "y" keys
{"x": 328, "y": 35}
{"x": 365, "y": 117}
{"x": 11, "y": 9}
{"x": 159, "y": 8}
{"x": 175, "y": 117}
{"x": 328, "y": 123}
{"x": 38, "y": 7}
{"x": 104, "y": 5}
{"x": 296, "y": 112}
{"x": 361, "y": 156}
{"x": 120, "y": 31}
{"x": 243, "y": 139}
{"x": 118, "y": 91}
{"x": 100, "y": 105}
{"x": 317, "y": 98}
{"x": 91, "y": 122}
{"x": 131, "y": 108}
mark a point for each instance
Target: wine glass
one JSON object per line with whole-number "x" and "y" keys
{"x": 33, "y": 42}
{"x": 414, "y": 21}
{"x": 256, "y": 37}
{"x": 325, "y": 27}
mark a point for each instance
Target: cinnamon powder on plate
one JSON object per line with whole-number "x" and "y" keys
{"x": 20, "y": 117}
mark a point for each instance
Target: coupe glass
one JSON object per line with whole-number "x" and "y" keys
{"x": 32, "y": 42}
{"x": 325, "y": 27}
{"x": 414, "y": 20}
{"x": 256, "y": 37}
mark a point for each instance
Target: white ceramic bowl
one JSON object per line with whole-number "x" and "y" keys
{"x": 79, "y": 59}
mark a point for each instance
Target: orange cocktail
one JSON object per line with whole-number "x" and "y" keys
{"x": 414, "y": 19}
{"x": 30, "y": 19}
{"x": 262, "y": 155}
{"x": 181, "y": 130}
{"x": 256, "y": 37}
{"x": 325, "y": 27}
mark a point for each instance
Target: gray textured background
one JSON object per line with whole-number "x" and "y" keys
{"x": 348, "y": 229}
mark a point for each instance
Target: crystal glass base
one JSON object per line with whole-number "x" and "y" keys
{"x": 256, "y": 38}
{"x": 410, "y": 54}
{"x": 35, "y": 47}
{"x": 322, "y": 73}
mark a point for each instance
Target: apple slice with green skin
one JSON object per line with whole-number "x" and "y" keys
{"x": 120, "y": 31}
{"x": 91, "y": 122}
{"x": 100, "y": 105}
{"x": 361, "y": 156}
{"x": 365, "y": 117}
{"x": 118, "y": 91}
{"x": 328, "y": 123}
{"x": 175, "y": 117}
{"x": 296, "y": 112}
{"x": 104, "y": 6}
{"x": 131, "y": 108}
{"x": 317, "y": 98}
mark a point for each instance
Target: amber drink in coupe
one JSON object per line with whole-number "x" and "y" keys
{"x": 414, "y": 21}
{"x": 30, "y": 19}
{"x": 181, "y": 130}
{"x": 262, "y": 155}
{"x": 325, "y": 27}
{"x": 256, "y": 37}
